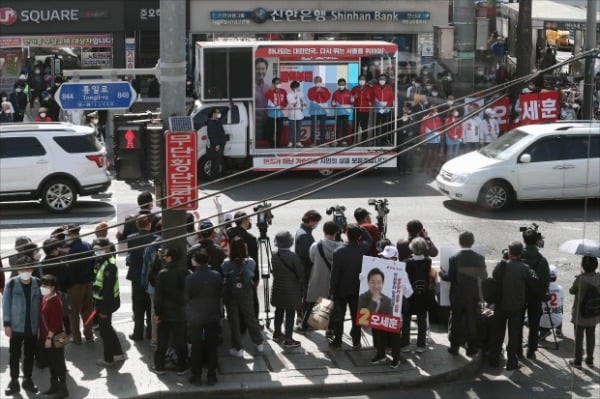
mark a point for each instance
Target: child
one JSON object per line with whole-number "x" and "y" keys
{"x": 552, "y": 309}
{"x": 584, "y": 282}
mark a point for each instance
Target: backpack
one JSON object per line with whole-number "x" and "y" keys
{"x": 590, "y": 303}
{"x": 236, "y": 283}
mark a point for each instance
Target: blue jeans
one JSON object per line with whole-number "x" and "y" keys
{"x": 322, "y": 119}
{"x": 452, "y": 148}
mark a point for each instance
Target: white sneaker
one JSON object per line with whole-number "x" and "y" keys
{"x": 260, "y": 348}
{"x": 299, "y": 144}
{"x": 236, "y": 353}
{"x": 290, "y": 145}
{"x": 405, "y": 349}
{"x": 420, "y": 349}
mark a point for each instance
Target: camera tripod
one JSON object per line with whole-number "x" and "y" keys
{"x": 382, "y": 225}
{"x": 264, "y": 264}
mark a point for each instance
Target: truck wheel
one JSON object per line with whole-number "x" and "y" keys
{"x": 59, "y": 196}
{"x": 205, "y": 167}
{"x": 496, "y": 195}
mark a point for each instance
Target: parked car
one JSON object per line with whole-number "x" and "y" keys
{"x": 52, "y": 162}
{"x": 535, "y": 162}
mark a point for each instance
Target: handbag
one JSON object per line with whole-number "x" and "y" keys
{"x": 321, "y": 314}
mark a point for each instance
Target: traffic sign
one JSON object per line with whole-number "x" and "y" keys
{"x": 95, "y": 95}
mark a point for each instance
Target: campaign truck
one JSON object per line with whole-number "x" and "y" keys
{"x": 258, "y": 118}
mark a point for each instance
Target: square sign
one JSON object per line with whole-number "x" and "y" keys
{"x": 181, "y": 167}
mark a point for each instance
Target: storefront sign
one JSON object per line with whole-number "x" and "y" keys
{"x": 345, "y": 160}
{"x": 96, "y": 58}
{"x": 261, "y": 15}
{"x": 8, "y": 16}
{"x": 57, "y": 41}
{"x": 181, "y": 169}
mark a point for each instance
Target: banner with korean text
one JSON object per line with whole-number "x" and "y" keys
{"x": 383, "y": 283}
{"x": 181, "y": 168}
{"x": 539, "y": 107}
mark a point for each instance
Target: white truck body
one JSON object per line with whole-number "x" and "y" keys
{"x": 225, "y": 78}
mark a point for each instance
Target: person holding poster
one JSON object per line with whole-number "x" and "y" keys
{"x": 344, "y": 287}
{"x": 418, "y": 268}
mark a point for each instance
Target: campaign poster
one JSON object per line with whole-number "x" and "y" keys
{"x": 445, "y": 254}
{"x": 382, "y": 285}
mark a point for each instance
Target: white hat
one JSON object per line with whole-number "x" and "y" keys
{"x": 553, "y": 271}
{"x": 389, "y": 251}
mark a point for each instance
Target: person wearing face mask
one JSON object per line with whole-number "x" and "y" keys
{"x": 406, "y": 130}
{"x": 430, "y": 135}
{"x": 490, "y": 127}
{"x": 46, "y": 100}
{"x": 6, "y": 116}
{"x": 217, "y": 139}
{"x": 471, "y": 129}
{"x": 107, "y": 301}
{"x": 21, "y": 315}
{"x": 414, "y": 88}
{"x": 302, "y": 243}
{"x": 33, "y": 109}
{"x": 51, "y": 324}
{"x": 203, "y": 294}
{"x": 453, "y": 136}
{"x": 383, "y": 95}
{"x": 318, "y": 95}
{"x": 43, "y": 115}
{"x": 276, "y": 103}
{"x": 36, "y": 81}
{"x": 342, "y": 101}
{"x": 18, "y": 99}
{"x": 92, "y": 121}
{"x": 363, "y": 101}
{"x": 81, "y": 277}
{"x": 296, "y": 106}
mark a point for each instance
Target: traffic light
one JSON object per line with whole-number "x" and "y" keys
{"x": 129, "y": 152}
{"x": 155, "y": 150}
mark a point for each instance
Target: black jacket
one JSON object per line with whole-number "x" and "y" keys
{"x": 58, "y": 270}
{"x": 514, "y": 284}
{"x": 302, "y": 243}
{"x": 216, "y": 133}
{"x": 251, "y": 243}
{"x": 203, "y": 293}
{"x": 535, "y": 260}
{"x": 345, "y": 269}
{"x": 169, "y": 296}
{"x": 216, "y": 253}
{"x": 80, "y": 271}
{"x": 109, "y": 304}
{"x": 463, "y": 271}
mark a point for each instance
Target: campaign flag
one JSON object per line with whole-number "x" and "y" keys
{"x": 383, "y": 284}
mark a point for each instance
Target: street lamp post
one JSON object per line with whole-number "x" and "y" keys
{"x": 590, "y": 43}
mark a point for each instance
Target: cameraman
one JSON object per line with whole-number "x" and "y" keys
{"x": 539, "y": 264}
{"x": 415, "y": 229}
{"x": 363, "y": 219}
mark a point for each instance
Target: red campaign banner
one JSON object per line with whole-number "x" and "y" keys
{"x": 378, "y": 321}
{"x": 181, "y": 168}
{"x": 304, "y": 52}
{"x": 538, "y": 107}
{"x": 501, "y": 110}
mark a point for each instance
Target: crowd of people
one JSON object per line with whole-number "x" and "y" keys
{"x": 182, "y": 301}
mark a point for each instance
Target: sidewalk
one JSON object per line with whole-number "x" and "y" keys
{"x": 313, "y": 367}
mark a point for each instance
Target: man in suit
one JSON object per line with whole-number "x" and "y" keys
{"x": 465, "y": 270}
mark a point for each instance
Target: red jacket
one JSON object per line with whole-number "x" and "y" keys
{"x": 385, "y": 94}
{"x": 363, "y": 97}
{"x": 277, "y": 97}
{"x": 45, "y": 119}
{"x": 341, "y": 98}
{"x": 456, "y": 132}
{"x": 51, "y": 316}
{"x": 319, "y": 96}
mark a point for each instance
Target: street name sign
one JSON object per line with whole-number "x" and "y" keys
{"x": 95, "y": 95}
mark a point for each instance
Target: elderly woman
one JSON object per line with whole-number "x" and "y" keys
{"x": 418, "y": 267}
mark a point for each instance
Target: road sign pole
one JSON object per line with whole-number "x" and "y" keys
{"x": 172, "y": 99}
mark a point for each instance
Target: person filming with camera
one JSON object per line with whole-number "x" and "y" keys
{"x": 533, "y": 240}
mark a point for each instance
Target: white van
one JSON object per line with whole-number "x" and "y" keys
{"x": 535, "y": 162}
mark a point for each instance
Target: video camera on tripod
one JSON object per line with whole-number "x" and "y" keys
{"x": 339, "y": 217}
{"x": 381, "y": 207}
{"x": 264, "y": 217}
{"x": 536, "y": 229}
